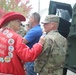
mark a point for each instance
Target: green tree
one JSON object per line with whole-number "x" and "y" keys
{"x": 13, "y": 5}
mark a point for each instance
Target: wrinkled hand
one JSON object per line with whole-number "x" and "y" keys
{"x": 42, "y": 40}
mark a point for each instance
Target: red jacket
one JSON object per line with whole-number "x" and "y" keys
{"x": 13, "y": 52}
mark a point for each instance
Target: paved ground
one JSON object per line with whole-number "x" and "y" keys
{"x": 70, "y": 73}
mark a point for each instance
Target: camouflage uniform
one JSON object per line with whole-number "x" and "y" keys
{"x": 51, "y": 60}
{"x": 22, "y": 31}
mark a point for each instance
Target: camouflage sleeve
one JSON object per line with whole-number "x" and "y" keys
{"x": 40, "y": 62}
{"x": 48, "y": 44}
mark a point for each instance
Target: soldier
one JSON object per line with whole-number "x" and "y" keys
{"x": 22, "y": 31}
{"x": 51, "y": 60}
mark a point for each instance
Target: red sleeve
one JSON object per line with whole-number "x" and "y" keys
{"x": 25, "y": 53}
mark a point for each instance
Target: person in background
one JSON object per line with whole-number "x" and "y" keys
{"x": 28, "y": 27}
{"x": 52, "y": 58}
{"x": 32, "y": 37}
{"x": 22, "y": 30}
{"x": 13, "y": 52}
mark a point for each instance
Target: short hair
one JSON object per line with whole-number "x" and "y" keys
{"x": 36, "y": 16}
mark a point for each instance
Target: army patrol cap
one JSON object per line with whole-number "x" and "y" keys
{"x": 51, "y": 18}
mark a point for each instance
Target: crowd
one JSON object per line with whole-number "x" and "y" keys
{"x": 34, "y": 53}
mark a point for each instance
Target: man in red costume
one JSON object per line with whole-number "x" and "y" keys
{"x": 13, "y": 52}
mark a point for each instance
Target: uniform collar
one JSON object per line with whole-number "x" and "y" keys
{"x": 52, "y": 31}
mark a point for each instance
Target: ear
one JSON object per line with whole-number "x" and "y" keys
{"x": 33, "y": 19}
{"x": 52, "y": 24}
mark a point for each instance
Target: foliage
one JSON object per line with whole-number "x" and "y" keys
{"x": 14, "y": 5}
